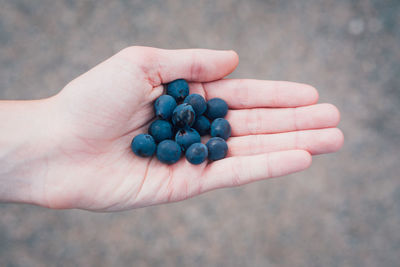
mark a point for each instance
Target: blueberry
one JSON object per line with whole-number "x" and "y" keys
{"x": 197, "y": 102}
{"x": 161, "y": 130}
{"x": 143, "y": 145}
{"x": 178, "y": 89}
{"x": 186, "y": 137}
{"x": 183, "y": 116}
{"x": 168, "y": 152}
{"x": 217, "y": 148}
{"x": 164, "y": 106}
{"x": 197, "y": 153}
{"x": 202, "y": 125}
{"x": 221, "y": 128}
{"x": 216, "y": 108}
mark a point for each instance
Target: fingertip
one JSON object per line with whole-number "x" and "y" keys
{"x": 338, "y": 139}
{"x": 332, "y": 113}
{"x": 232, "y": 61}
{"x": 308, "y": 92}
{"x": 210, "y": 65}
{"x": 302, "y": 158}
{"x": 289, "y": 161}
{"x": 323, "y": 141}
{"x": 313, "y": 92}
{"x": 307, "y": 159}
{"x": 235, "y": 57}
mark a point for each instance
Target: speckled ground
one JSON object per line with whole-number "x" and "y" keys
{"x": 344, "y": 211}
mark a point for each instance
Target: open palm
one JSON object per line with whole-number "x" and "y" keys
{"x": 276, "y": 127}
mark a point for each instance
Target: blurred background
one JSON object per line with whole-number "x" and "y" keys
{"x": 343, "y": 211}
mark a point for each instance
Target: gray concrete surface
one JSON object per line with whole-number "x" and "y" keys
{"x": 344, "y": 211}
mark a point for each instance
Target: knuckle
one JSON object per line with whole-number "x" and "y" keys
{"x": 255, "y": 144}
{"x": 196, "y": 68}
{"x": 130, "y": 50}
{"x": 252, "y": 121}
{"x": 139, "y": 53}
{"x": 243, "y": 93}
{"x": 237, "y": 170}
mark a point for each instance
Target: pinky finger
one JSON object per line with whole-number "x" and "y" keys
{"x": 235, "y": 171}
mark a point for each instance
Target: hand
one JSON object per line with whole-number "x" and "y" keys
{"x": 276, "y": 127}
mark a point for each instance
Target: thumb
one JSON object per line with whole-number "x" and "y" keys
{"x": 196, "y": 65}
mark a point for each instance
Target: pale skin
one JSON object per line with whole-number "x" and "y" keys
{"x": 72, "y": 150}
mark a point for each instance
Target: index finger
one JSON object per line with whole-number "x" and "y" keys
{"x": 248, "y": 93}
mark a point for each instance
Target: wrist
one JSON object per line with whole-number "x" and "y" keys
{"x": 27, "y": 141}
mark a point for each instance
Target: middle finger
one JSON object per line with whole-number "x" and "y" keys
{"x": 277, "y": 120}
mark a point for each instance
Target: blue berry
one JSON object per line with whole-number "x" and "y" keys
{"x": 168, "y": 152}
{"x": 164, "y": 106}
{"x": 186, "y": 137}
{"x": 221, "y": 128}
{"x": 217, "y": 148}
{"x": 197, "y": 102}
{"x": 161, "y": 130}
{"x": 216, "y": 108}
{"x": 178, "y": 89}
{"x": 183, "y": 116}
{"x": 143, "y": 145}
{"x": 197, "y": 153}
{"x": 202, "y": 125}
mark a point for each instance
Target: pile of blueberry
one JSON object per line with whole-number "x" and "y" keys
{"x": 181, "y": 120}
